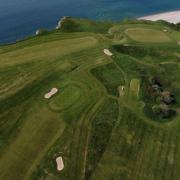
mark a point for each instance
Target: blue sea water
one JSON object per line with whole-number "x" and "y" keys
{"x": 19, "y": 18}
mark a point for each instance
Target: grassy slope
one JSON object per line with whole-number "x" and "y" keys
{"x": 99, "y": 134}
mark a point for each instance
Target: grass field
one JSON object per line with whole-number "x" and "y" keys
{"x": 99, "y": 133}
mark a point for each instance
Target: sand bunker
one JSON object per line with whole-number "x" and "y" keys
{"x": 121, "y": 90}
{"x": 165, "y": 30}
{"x": 60, "y": 163}
{"x": 51, "y": 93}
{"x": 107, "y": 52}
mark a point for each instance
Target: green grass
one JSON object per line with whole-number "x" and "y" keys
{"x": 99, "y": 134}
{"x": 150, "y": 54}
{"x": 133, "y": 68}
{"x": 138, "y": 150}
{"x": 147, "y": 35}
{"x": 49, "y": 50}
{"x": 65, "y": 98}
{"x": 110, "y": 76}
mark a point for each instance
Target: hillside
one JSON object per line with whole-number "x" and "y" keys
{"x": 114, "y": 112}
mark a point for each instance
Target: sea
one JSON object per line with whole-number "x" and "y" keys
{"x": 21, "y": 18}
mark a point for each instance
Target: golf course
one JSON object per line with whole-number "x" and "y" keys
{"x": 102, "y": 99}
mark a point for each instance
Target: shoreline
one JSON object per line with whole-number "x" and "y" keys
{"x": 172, "y": 17}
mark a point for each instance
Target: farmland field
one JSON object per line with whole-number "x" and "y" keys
{"x": 104, "y": 120}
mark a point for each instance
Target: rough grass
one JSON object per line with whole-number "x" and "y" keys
{"x": 133, "y": 68}
{"x": 138, "y": 150}
{"x": 100, "y": 133}
{"x": 150, "y": 54}
{"x": 110, "y": 76}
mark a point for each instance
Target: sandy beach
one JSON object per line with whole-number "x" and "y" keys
{"x": 172, "y": 17}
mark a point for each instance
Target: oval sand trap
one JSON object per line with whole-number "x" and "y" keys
{"x": 60, "y": 163}
{"x": 51, "y": 93}
{"x": 108, "y": 52}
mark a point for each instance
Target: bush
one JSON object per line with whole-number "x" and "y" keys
{"x": 163, "y": 111}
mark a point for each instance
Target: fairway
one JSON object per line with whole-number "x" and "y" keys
{"x": 147, "y": 35}
{"x": 82, "y": 103}
{"x": 46, "y": 51}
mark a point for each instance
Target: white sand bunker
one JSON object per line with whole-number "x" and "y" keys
{"x": 60, "y": 163}
{"x": 51, "y": 93}
{"x": 121, "y": 90}
{"x": 108, "y": 52}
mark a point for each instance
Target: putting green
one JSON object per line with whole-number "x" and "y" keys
{"x": 65, "y": 98}
{"x": 147, "y": 35}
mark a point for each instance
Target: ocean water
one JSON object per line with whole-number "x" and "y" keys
{"x": 20, "y": 18}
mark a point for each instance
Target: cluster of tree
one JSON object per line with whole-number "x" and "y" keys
{"x": 163, "y": 99}
{"x": 163, "y": 111}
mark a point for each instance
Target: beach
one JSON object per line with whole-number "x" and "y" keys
{"x": 172, "y": 17}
